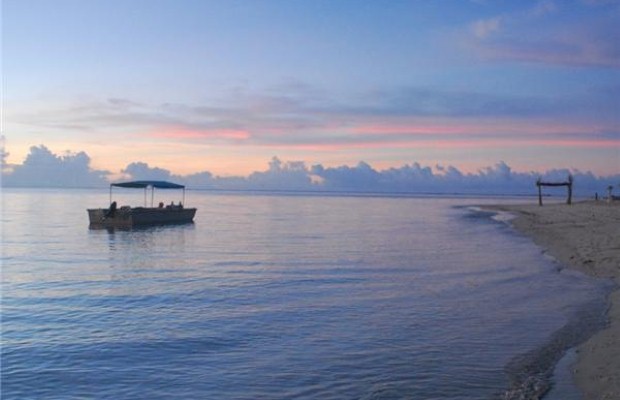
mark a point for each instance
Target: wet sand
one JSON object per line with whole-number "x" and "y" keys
{"x": 584, "y": 236}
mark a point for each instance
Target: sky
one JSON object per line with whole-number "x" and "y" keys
{"x": 219, "y": 88}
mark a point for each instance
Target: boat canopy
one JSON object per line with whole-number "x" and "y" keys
{"x": 145, "y": 184}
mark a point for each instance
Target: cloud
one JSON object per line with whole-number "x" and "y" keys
{"x": 544, "y": 7}
{"x": 289, "y": 175}
{"x": 415, "y": 178}
{"x": 359, "y": 178}
{"x": 570, "y": 49}
{"x": 304, "y": 117}
{"x": 484, "y": 27}
{"x": 42, "y": 168}
{"x": 3, "y": 155}
{"x": 600, "y": 2}
{"x": 253, "y": 116}
{"x": 142, "y": 171}
{"x": 549, "y": 33}
{"x": 199, "y": 179}
{"x": 184, "y": 133}
{"x": 420, "y": 101}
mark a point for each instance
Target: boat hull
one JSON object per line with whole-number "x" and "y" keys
{"x": 139, "y": 216}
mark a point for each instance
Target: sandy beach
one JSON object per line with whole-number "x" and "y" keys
{"x": 584, "y": 236}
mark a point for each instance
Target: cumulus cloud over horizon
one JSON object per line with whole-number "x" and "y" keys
{"x": 43, "y": 168}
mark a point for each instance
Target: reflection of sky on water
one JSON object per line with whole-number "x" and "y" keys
{"x": 360, "y": 293}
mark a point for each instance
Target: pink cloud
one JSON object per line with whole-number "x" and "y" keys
{"x": 446, "y": 143}
{"x": 419, "y": 133}
{"x": 593, "y": 144}
{"x": 185, "y": 133}
{"x": 407, "y": 129}
{"x": 496, "y": 128}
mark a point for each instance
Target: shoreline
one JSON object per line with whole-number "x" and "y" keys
{"x": 584, "y": 236}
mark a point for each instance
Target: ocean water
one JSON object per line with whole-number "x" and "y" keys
{"x": 282, "y": 297}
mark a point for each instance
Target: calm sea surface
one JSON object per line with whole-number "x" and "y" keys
{"x": 281, "y": 297}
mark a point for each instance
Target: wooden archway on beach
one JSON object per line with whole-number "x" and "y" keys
{"x": 568, "y": 183}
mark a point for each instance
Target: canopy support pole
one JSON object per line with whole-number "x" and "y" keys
{"x": 152, "y": 195}
{"x": 110, "y": 194}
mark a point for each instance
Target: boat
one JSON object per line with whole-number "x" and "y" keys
{"x": 127, "y": 216}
